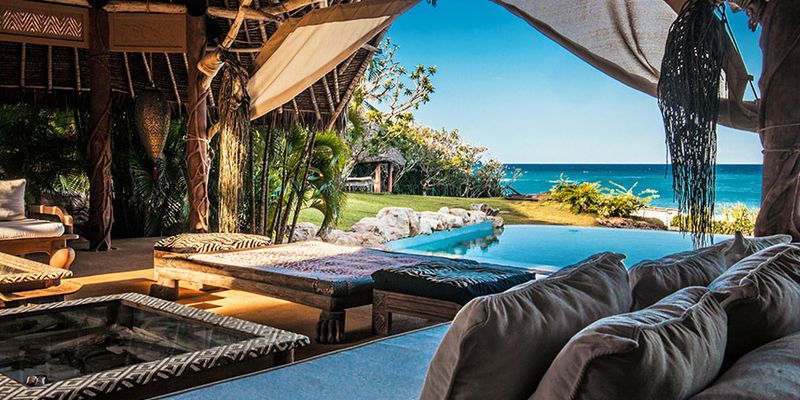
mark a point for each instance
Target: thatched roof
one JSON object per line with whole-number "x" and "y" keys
{"x": 56, "y": 75}
{"x": 387, "y": 155}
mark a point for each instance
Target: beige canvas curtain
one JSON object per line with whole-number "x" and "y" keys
{"x": 625, "y": 39}
{"x": 303, "y": 50}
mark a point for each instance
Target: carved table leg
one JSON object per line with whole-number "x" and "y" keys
{"x": 381, "y": 317}
{"x": 166, "y": 289}
{"x": 62, "y": 258}
{"x": 330, "y": 327}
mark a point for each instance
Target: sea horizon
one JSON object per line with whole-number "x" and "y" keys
{"x": 736, "y": 183}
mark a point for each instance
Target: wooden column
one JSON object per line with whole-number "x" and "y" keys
{"x": 779, "y": 120}
{"x": 391, "y": 178}
{"x": 376, "y": 184}
{"x": 100, "y": 206}
{"x": 198, "y": 162}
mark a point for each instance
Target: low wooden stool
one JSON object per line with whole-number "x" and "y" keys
{"x": 50, "y": 294}
{"x": 437, "y": 289}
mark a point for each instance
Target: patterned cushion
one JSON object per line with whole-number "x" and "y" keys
{"x": 12, "y": 200}
{"x": 450, "y": 280}
{"x": 670, "y": 350}
{"x": 211, "y": 242}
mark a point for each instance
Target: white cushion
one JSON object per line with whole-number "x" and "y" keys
{"x": 30, "y": 228}
{"x": 12, "y": 200}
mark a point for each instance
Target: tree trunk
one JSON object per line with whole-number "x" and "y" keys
{"x": 779, "y": 118}
{"x": 264, "y": 212}
{"x": 198, "y": 161}
{"x": 304, "y": 183}
{"x": 100, "y": 206}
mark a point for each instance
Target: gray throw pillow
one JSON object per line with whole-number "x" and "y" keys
{"x": 499, "y": 346}
{"x": 12, "y": 200}
{"x": 652, "y": 280}
{"x": 671, "y": 350}
{"x": 761, "y": 295}
{"x": 770, "y": 372}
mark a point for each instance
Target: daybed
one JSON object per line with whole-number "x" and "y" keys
{"x": 22, "y": 234}
{"x": 577, "y": 334}
{"x": 330, "y": 277}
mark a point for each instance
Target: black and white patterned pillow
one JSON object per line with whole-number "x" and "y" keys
{"x": 191, "y": 243}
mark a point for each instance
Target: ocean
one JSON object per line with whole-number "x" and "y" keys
{"x": 735, "y": 183}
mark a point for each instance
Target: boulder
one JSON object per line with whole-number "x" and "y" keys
{"x": 497, "y": 222}
{"x": 444, "y": 210}
{"x": 432, "y": 219}
{"x": 381, "y": 227}
{"x": 426, "y": 225}
{"x": 459, "y": 212}
{"x": 475, "y": 217}
{"x": 404, "y": 220}
{"x": 448, "y": 221}
{"x": 305, "y": 231}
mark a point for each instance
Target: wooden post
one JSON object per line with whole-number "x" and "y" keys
{"x": 99, "y": 148}
{"x": 376, "y": 184}
{"x": 198, "y": 162}
{"x": 778, "y": 120}
{"x": 391, "y": 177}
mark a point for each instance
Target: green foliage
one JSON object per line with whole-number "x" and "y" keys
{"x": 591, "y": 197}
{"x": 44, "y": 146}
{"x": 735, "y": 218}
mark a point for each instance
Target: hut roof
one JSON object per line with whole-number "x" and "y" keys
{"x": 55, "y": 75}
{"x": 389, "y": 154}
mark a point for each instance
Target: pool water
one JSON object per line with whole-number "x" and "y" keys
{"x": 547, "y": 246}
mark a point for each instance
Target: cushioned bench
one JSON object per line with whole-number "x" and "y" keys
{"x": 437, "y": 289}
{"x": 389, "y": 368}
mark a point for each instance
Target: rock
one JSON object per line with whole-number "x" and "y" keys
{"x": 448, "y": 221}
{"x": 497, "y": 222}
{"x": 444, "y": 210}
{"x": 432, "y": 219}
{"x": 475, "y": 217}
{"x": 381, "y": 227}
{"x": 426, "y": 225}
{"x": 458, "y": 222}
{"x": 632, "y": 223}
{"x": 458, "y": 212}
{"x": 405, "y": 220}
{"x": 478, "y": 207}
{"x": 305, "y": 231}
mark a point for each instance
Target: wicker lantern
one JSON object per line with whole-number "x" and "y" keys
{"x": 152, "y": 117}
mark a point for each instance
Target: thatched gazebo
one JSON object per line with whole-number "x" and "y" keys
{"x": 87, "y": 53}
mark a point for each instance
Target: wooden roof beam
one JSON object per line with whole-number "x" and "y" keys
{"x": 268, "y": 13}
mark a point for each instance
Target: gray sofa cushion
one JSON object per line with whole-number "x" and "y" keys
{"x": 652, "y": 280}
{"x": 499, "y": 346}
{"x": 671, "y": 350}
{"x": 770, "y": 372}
{"x": 12, "y": 200}
{"x": 762, "y": 297}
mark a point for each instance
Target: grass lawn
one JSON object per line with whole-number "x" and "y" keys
{"x": 360, "y": 205}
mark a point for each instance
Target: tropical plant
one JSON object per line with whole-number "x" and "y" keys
{"x": 160, "y": 189}
{"x": 735, "y": 218}
{"x": 44, "y": 146}
{"x": 592, "y": 197}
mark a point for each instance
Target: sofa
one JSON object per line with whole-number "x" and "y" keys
{"x": 27, "y": 229}
{"x": 722, "y": 322}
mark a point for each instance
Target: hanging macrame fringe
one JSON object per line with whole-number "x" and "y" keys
{"x": 688, "y": 96}
{"x": 234, "y": 122}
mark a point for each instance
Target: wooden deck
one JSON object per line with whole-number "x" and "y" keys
{"x": 129, "y": 268}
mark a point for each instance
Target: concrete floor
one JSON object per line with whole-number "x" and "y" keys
{"x": 128, "y": 268}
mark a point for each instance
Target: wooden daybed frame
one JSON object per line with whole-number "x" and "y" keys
{"x": 386, "y": 303}
{"x": 61, "y": 255}
{"x": 169, "y": 269}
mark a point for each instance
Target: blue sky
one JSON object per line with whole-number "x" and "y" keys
{"x": 507, "y": 87}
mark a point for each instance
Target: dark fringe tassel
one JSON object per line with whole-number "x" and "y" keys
{"x": 688, "y": 95}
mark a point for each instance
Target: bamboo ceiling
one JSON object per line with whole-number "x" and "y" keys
{"x": 49, "y": 74}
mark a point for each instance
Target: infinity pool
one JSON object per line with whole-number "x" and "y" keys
{"x": 545, "y": 246}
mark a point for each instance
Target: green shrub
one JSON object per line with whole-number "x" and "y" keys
{"x": 735, "y": 218}
{"x": 591, "y": 197}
